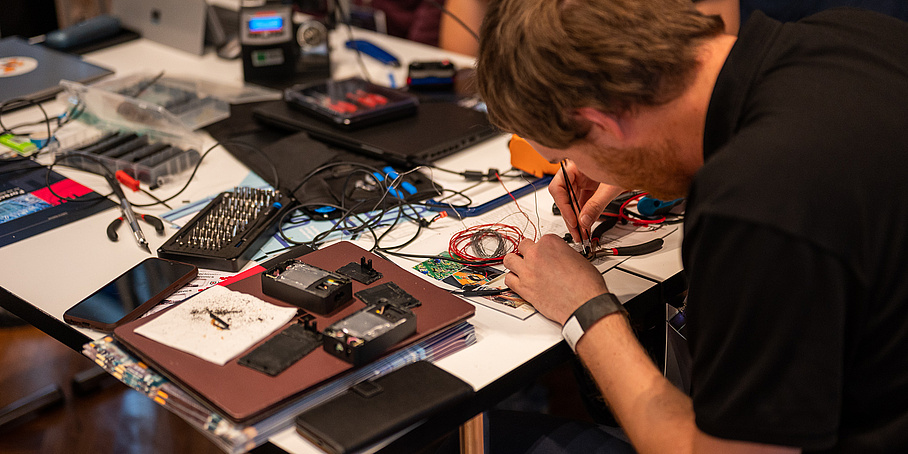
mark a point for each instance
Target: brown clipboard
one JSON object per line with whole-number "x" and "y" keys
{"x": 244, "y": 395}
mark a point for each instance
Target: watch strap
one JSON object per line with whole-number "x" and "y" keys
{"x": 587, "y": 315}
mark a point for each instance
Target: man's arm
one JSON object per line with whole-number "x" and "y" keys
{"x": 657, "y": 417}
{"x": 452, "y": 35}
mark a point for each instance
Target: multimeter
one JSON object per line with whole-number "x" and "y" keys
{"x": 269, "y": 46}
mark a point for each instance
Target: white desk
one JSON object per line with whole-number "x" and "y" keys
{"x": 54, "y": 270}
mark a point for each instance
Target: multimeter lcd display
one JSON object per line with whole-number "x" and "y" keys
{"x": 266, "y": 23}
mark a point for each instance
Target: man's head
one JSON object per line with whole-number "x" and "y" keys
{"x": 541, "y": 60}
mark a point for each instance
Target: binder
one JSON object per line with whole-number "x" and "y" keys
{"x": 375, "y": 409}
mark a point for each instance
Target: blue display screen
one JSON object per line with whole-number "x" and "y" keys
{"x": 262, "y": 24}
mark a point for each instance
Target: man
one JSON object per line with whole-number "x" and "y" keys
{"x": 789, "y": 142}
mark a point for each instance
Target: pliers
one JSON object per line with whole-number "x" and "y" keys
{"x": 149, "y": 219}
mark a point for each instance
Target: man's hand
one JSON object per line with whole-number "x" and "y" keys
{"x": 553, "y": 277}
{"x": 592, "y": 196}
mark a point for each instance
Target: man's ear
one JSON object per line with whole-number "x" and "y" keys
{"x": 600, "y": 122}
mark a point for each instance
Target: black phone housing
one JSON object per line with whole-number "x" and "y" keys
{"x": 308, "y": 287}
{"x": 369, "y": 332}
{"x": 131, "y": 294}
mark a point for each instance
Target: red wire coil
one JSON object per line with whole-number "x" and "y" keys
{"x": 472, "y": 237}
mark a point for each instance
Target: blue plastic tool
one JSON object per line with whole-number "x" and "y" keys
{"x": 464, "y": 212}
{"x": 373, "y": 51}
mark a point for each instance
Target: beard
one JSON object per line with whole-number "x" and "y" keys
{"x": 654, "y": 169}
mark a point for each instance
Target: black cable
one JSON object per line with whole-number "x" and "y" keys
{"x": 143, "y": 86}
{"x": 358, "y": 167}
{"x": 469, "y": 200}
{"x": 359, "y": 54}
{"x": 277, "y": 182}
{"x": 349, "y": 213}
{"x": 419, "y": 226}
{"x": 73, "y": 114}
{"x": 330, "y": 165}
{"x": 314, "y": 242}
{"x": 158, "y": 201}
{"x": 449, "y": 259}
{"x": 477, "y": 175}
{"x": 13, "y": 102}
{"x": 12, "y": 129}
{"x": 456, "y": 19}
{"x": 63, "y": 157}
{"x": 188, "y": 180}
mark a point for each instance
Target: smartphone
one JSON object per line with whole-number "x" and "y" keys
{"x": 131, "y": 294}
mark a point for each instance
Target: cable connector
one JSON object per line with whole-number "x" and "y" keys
{"x": 127, "y": 180}
{"x": 476, "y": 175}
{"x": 424, "y": 223}
{"x": 473, "y": 175}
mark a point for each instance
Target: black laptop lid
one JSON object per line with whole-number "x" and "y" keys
{"x": 33, "y": 72}
{"x": 437, "y": 130}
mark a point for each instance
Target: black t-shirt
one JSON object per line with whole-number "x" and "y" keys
{"x": 796, "y": 238}
{"x": 792, "y": 10}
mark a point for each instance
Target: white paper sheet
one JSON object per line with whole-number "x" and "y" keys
{"x": 192, "y": 326}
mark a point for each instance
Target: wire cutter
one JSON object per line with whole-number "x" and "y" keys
{"x": 149, "y": 219}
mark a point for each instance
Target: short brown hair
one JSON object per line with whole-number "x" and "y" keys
{"x": 541, "y": 59}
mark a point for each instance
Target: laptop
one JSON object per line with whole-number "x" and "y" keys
{"x": 175, "y": 23}
{"x": 437, "y": 130}
{"x": 32, "y": 72}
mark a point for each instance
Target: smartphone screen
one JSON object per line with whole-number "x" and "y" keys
{"x": 131, "y": 294}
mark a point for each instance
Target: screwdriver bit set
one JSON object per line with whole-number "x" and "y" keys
{"x": 146, "y": 160}
{"x": 229, "y": 230}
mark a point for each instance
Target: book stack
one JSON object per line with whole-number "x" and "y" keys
{"x": 235, "y": 437}
{"x": 240, "y": 407}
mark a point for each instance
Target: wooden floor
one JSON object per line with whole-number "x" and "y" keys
{"x": 116, "y": 419}
{"x": 112, "y": 420}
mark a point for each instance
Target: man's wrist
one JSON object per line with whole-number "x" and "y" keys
{"x": 587, "y": 315}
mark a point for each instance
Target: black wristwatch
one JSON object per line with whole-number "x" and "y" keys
{"x": 587, "y": 315}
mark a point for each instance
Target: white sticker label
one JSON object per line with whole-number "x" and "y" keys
{"x": 267, "y": 57}
{"x": 16, "y": 66}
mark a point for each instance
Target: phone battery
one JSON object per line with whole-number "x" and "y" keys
{"x": 307, "y": 286}
{"x": 368, "y": 333}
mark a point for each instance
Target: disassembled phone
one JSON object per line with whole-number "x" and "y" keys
{"x": 369, "y": 332}
{"x": 307, "y": 286}
{"x": 131, "y": 294}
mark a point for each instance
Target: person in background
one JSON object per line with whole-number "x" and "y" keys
{"x": 416, "y": 20}
{"x": 736, "y": 12}
{"x": 453, "y": 36}
{"x": 784, "y": 139}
